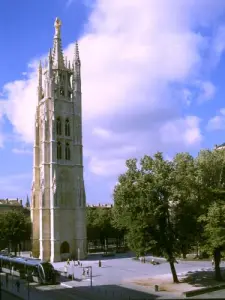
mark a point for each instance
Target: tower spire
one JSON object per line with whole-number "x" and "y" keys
{"x": 77, "y": 55}
{"x": 76, "y": 62}
{"x": 27, "y": 202}
{"x": 57, "y": 55}
{"x": 50, "y": 63}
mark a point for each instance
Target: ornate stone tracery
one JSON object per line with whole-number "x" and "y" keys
{"x": 54, "y": 185}
{"x": 58, "y": 183}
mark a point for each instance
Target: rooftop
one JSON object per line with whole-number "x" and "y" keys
{"x": 221, "y": 146}
{"x": 100, "y": 205}
{"x": 13, "y": 202}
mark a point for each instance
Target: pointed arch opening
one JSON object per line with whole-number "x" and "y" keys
{"x": 59, "y": 150}
{"x": 64, "y": 248}
{"x": 58, "y": 126}
{"x": 67, "y": 127}
{"x": 67, "y": 151}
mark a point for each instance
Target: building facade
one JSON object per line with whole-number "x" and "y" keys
{"x": 219, "y": 147}
{"x": 58, "y": 204}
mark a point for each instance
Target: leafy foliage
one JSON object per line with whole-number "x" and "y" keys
{"x": 142, "y": 204}
{"x": 167, "y": 207}
{"x": 15, "y": 227}
{"x": 100, "y": 225}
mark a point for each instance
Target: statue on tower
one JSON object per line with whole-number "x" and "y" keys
{"x": 57, "y": 25}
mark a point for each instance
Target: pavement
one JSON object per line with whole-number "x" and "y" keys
{"x": 111, "y": 281}
{"x": 116, "y": 271}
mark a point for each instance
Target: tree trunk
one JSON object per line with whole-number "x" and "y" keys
{"x": 173, "y": 271}
{"x": 197, "y": 251}
{"x": 15, "y": 249}
{"x": 184, "y": 255}
{"x": 217, "y": 259}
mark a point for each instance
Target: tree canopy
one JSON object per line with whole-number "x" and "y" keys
{"x": 15, "y": 228}
{"x": 167, "y": 207}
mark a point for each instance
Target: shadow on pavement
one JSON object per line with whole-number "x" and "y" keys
{"x": 203, "y": 278}
{"x": 104, "y": 292}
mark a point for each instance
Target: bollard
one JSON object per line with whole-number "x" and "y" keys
{"x": 156, "y": 288}
{"x": 99, "y": 263}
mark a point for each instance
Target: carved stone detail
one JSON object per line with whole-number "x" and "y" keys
{"x": 54, "y": 185}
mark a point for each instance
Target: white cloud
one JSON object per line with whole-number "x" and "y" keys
{"x": 182, "y": 130}
{"x": 217, "y": 122}
{"x": 207, "y": 90}
{"x": 130, "y": 69}
{"x": 112, "y": 167}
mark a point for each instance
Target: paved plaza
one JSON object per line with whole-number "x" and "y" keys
{"x": 119, "y": 270}
{"x": 111, "y": 281}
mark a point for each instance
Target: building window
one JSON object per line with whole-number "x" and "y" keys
{"x": 58, "y": 126}
{"x": 67, "y": 151}
{"x": 59, "y": 150}
{"x": 67, "y": 127}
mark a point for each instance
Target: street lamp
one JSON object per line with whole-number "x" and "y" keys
{"x": 0, "y": 286}
{"x": 28, "y": 286}
{"x": 90, "y": 272}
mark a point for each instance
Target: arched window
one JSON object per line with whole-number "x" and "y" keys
{"x": 59, "y": 150}
{"x": 67, "y": 127}
{"x": 58, "y": 126}
{"x": 67, "y": 151}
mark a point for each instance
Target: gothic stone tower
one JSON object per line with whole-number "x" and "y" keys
{"x": 58, "y": 207}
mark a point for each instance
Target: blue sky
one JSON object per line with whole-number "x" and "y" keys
{"x": 152, "y": 80}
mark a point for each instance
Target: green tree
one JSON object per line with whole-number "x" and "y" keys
{"x": 214, "y": 232}
{"x": 92, "y": 229}
{"x": 142, "y": 205}
{"x": 100, "y": 225}
{"x": 185, "y": 201}
{"x": 211, "y": 182}
{"x": 15, "y": 228}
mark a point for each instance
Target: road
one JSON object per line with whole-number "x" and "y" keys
{"x": 8, "y": 296}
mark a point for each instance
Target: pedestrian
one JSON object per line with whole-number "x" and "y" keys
{"x": 65, "y": 269}
{"x": 18, "y": 285}
{"x": 68, "y": 261}
{"x": 213, "y": 262}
